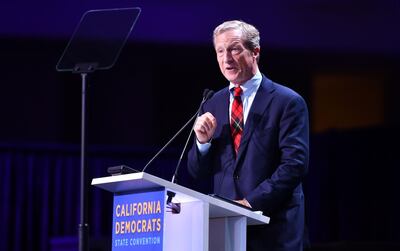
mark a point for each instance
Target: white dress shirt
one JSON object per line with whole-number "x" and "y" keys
{"x": 249, "y": 88}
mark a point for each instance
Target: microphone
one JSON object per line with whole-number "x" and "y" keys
{"x": 207, "y": 94}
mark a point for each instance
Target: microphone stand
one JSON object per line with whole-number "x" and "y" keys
{"x": 169, "y": 142}
{"x": 206, "y": 95}
{"x": 174, "y": 177}
{"x": 175, "y": 207}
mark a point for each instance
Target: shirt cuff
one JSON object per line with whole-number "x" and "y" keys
{"x": 203, "y": 148}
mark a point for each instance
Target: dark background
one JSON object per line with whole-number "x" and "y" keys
{"x": 343, "y": 57}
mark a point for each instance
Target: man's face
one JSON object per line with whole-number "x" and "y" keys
{"x": 236, "y": 63}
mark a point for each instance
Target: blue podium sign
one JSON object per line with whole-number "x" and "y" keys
{"x": 138, "y": 221}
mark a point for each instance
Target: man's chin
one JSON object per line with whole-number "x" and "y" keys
{"x": 231, "y": 78}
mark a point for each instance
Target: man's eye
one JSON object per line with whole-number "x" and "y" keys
{"x": 235, "y": 50}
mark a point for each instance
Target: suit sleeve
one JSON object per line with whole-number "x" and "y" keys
{"x": 198, "y": 162}
{"x": 293, "y": 143}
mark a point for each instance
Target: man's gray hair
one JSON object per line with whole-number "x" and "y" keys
{"x": 250, "y": 35}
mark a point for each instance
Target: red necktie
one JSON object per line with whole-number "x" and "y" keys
{"x": 237, "y": 118}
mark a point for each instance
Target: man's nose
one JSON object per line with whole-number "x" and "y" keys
{"x": 227, "y": 57}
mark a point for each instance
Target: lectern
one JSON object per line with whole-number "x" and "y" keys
{"x": 143, "y": 220}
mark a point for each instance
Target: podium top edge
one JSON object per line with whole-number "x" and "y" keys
{"x": 143, "y": 181}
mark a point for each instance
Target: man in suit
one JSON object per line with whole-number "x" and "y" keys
{"x": 252, "y": 139}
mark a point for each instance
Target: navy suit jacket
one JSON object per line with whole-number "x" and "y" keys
{"x": 271, "y": 163}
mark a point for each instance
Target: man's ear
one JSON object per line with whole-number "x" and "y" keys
{"x": 256, "y": 52}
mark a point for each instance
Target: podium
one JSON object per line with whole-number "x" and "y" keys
{"x": 142, "y": 220}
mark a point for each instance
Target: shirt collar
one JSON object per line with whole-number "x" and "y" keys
{"x": 250, "y": 85}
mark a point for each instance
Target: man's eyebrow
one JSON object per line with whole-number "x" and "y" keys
{"x": 234, "y": 44}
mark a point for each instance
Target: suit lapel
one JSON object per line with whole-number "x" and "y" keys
{"x": 223, "y": 108}
{"x": 261, "y": 102}
{"x": 223, "y": 111}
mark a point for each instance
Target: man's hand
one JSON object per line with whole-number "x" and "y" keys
{"x": 205, "y": 127}
{"x": 244, "y": 202}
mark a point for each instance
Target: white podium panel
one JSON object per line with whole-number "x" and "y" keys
{"x": 204, "y": 222}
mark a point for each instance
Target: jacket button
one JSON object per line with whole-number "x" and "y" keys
{"x": 236, "y": 177}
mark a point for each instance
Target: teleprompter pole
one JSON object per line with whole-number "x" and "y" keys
{"x": 83, "y": 225}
